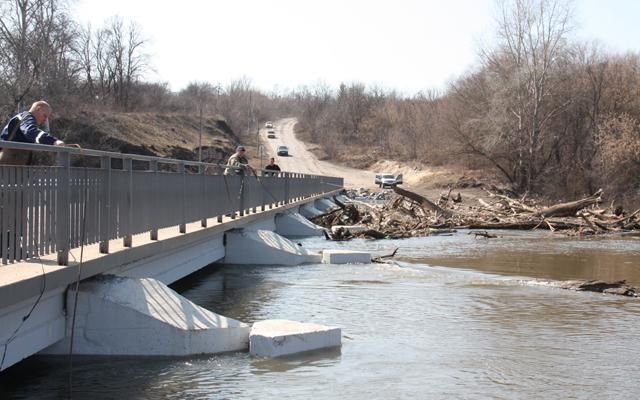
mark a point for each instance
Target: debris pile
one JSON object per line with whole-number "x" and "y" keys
{"x": 364, "y": 194}
{"x": 408, "y": 214}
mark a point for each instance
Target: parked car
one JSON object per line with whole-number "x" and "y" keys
{"x": 283, "y": 150}
{"x": 268, "y": 124}
{"x": 271, "y": 134}
{"x": 388, "y": 179}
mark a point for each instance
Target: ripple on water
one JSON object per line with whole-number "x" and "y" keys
{"x": 419, "y": 329}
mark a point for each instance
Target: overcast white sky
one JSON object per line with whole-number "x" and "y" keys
{"x": 407, "y": 45}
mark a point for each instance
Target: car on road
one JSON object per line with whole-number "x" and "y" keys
{"x": 271, "y": 134}
{"x": 268, "y": 124}
{"x": 282, "y": 150}
{"x": 388, "y": 179}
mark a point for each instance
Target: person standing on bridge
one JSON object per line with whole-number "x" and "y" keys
{"x": 272, "y": 167}
{"x": 238, "y": 162}
{"x": 24, "y": 128}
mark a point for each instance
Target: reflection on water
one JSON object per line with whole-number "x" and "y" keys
{"x": 315, "y": 359}
{"x": 545, "y": 256}
{"x": 418, "y": 328}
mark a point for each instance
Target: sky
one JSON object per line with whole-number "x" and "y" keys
{"x": 278, "y": 45}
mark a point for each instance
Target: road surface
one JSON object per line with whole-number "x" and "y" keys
{"x": 302, "y": 160}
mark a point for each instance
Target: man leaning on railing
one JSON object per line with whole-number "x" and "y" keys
{"x": 238, "y": 163}
{"x": 24, "y": 128}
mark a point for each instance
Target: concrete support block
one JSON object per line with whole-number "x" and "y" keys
{"x": 309, "y": 211}
{"x": 274, "y": 338}
{"x": 345, "y": 257}
{"x": 294, "y": 224}
{"x": 265, "y": 248}
{"x": 143, "y": 317}
{"x": 324, "y": 205}
{"x": 266, "y": 224}
{"x": 343, "y": 199}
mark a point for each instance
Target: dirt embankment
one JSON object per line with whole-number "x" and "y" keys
{"x": 162, "y": 135}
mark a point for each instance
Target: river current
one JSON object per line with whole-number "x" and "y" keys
{"x": 455, "y": 317}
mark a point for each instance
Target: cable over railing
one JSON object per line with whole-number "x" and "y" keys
{"x": 91, "y": 196}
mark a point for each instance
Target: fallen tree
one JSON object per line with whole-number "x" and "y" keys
{"x": 570, "y": 209}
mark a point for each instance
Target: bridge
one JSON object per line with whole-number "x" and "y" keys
{"x": 126, "y": 226}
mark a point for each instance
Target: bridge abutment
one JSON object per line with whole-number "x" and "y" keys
{"x": 143, "y": 317}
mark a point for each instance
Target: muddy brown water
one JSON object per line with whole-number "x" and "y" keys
{"x": 457, "y": 317}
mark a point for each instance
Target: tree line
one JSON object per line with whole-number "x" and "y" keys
{"x": 549, "y": 114}
{"x": 45, "y": 54}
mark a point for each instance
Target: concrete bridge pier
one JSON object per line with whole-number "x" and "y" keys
{"x": 295, "y": 225}
{"x": 325, "y": 205}
{"x": 263, "y": 247}
{"x": 143, "y": 317}
{"x": 317, "y": 208}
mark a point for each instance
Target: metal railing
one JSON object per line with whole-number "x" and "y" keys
{"x": 46, "y": 209}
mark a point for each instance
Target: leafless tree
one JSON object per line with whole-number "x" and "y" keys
{"x": 113, "y": 61}
{"x": 35, "y": 39}
{"x": 532, "y": 35}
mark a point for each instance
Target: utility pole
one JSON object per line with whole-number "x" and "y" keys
{"x": 250, "y": 114}
{"x": 200, "y": 136}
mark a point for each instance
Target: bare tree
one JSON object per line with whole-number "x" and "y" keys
{"x": 112, "y": 61}
{"x": 35, "y": 39}
{"x": 532, "y": 36}
{"x": 199, "y": 96}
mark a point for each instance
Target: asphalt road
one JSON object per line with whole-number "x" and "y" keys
{"x": 303, "y": 161}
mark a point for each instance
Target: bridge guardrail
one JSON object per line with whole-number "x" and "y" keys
{"x": 47, "y": 209}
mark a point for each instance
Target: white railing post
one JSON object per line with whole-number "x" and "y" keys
{"x": 183, "y": 201}
{"x": 127, "y": 165}
{"x": 62, "y": 207}
{"x": 105, "y": 204}
{"x": 153, "y": 166}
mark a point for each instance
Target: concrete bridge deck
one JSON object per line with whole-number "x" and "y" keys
{"x": 149, "y": 227}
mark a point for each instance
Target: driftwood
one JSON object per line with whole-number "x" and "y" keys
{"x": 571, "y": 208}
{"x": 371, "y": 233}
{"x": 380, "y": 258}
{"x": 617, "y": 287}
{"x": 483, "y": 234}
{"x": 422, "y": 201}
{"x": 338, "y": 202}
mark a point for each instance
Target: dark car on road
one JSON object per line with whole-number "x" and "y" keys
{"x": 283, "y": 150}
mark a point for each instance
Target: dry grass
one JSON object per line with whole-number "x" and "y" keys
{"x": 164, "y": 135}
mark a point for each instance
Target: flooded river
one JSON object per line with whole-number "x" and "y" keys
{"x": 457, "y": 317}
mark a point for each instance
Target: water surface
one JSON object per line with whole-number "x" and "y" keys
{"x": 458, "y": 317}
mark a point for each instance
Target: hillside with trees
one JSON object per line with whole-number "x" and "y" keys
{"x": 550, "y": 115}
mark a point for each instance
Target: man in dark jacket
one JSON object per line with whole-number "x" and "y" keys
{"x": 24, "y": 128}
{"x": 272, "y": 166}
